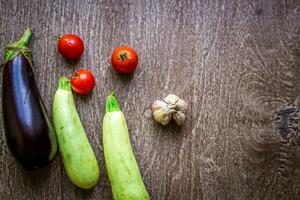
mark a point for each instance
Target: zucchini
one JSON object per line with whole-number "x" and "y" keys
{"x": 77, "y": 154}
{"x": 123, "y": 171}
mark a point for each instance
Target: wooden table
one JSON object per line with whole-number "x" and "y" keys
{"x": 237, "y": 63}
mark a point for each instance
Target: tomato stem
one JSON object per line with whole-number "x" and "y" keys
{"x": 123, "y": 55}
{"x": 58, "y": 36}
{"x": 75, "y": 75}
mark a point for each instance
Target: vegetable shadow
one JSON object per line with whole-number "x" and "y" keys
{"x": 123, "y": 80}
{"x": 70, "y": 63}
{"x": 83, "y": 193}
{"x": 84, "y": 98}
{"x": 170, "y": 129}
{"x": 36, "y": 178}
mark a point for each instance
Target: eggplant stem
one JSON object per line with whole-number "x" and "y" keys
{"x": 13, "y": 50}
{"x": 25, "y": 38}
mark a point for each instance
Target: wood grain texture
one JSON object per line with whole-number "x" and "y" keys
{"x": 235, "y": 61}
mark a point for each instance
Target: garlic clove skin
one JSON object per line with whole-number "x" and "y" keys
{"x": 179, "y": 117}
{"x": 162, "y": 117}
{"x": 171, "y": 99}
{"x": 181, "y": 105}
{"x": 158, "y": 104}
{"x": 161, "y": 112}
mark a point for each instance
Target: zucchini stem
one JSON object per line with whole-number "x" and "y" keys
{"x": 64, "y": 83}
{"x": 111, "y": 103}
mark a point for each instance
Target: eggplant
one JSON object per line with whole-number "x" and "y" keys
{"x": 29, "y": 133}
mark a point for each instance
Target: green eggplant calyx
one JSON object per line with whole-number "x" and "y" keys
{"x": 13, "y": 50}
{"x": 64, "y": 83}
{"x": 111, "y": 103}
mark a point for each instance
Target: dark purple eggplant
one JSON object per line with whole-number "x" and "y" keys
{"x": 29, "y": 132}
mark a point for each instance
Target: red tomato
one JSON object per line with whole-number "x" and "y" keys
{"x": 82, "y": 81}
{"x": 124, "y": 60}
{"x": 70, "y": 46}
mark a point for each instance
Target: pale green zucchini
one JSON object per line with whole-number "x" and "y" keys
{"x": 77, "y": 154}
{"x": 123, "y": 171}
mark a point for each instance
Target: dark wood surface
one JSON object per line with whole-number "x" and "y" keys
{"x": 236, "y": 62}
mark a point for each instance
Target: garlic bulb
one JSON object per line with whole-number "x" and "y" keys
{"x": 171, "y": 107}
